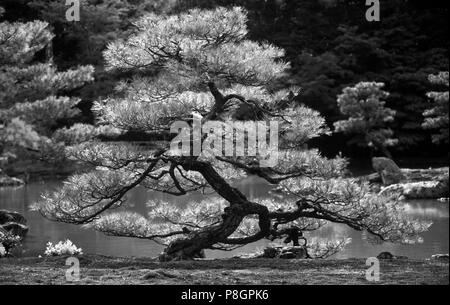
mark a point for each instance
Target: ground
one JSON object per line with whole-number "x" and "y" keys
{"x": 96, "y": 269}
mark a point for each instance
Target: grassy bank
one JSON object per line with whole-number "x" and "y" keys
{"x": 97, "y": 269}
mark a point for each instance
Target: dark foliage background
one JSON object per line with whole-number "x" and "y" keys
{"x": 329, "y": 43}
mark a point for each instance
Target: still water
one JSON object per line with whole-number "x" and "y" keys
{"x": 436, "y": 240}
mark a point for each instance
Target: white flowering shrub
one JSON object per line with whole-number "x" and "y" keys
{"x": 62, "y": 248}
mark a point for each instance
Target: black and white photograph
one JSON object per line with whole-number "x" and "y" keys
{"x": 222, "y": 150}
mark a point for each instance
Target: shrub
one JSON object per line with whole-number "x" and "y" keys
{"x": 364, "y": 105}
{"x": 78, "y": 133}
{"x": 62, "y": 248}
{"x": 8, "y": 242}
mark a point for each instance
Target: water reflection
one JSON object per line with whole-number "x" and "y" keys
{"x": 42, "y": 230}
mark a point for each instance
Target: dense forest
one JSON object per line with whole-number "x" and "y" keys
{"x": 329, "y": 43}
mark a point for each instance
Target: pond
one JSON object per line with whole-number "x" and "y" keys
{"x": 436, "y": 240}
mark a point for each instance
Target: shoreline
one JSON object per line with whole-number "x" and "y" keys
{"x": 98, "y": 270}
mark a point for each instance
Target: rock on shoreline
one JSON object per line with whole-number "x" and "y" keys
{"x": 13, "y": 223}
{"x": 6, "y": 180}
{"x": 419, "y": 190}
{"x": 431, "y": 183}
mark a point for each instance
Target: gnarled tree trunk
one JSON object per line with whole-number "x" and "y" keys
{"x": 193, "y": 245}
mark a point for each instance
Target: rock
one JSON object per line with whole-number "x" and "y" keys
{"x": 300, "y": 252}
{"x": 442, "y": 258}
{"x": 180, "y": 255}
{"x": 14, "y": 223}
{"x": 431, "y": 183}
{"x": 389, "y": 171}
{"x": 285, "y": 252}
{"x": 389, "y": 255}
{"x": 8, "y": 216}
{"x": 6, "y": 180}
{"x": 16, "y": 229}
{"x": 385, "y": 255}
{"x": 200, "y": 254}
{"x": 392, "y": 190}
{"x": 425, "y": 174}
{"x": 425, "y": 189}
{"x": 373, "y": 178}
{"x": 270, "y": 252}
{"x": 418, "y": 190}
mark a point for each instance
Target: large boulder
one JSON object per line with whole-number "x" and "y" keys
{"x": 428, "y": 183}
{"x": 425, "y": 174}
{"x": 14, "y": 223}
{"x": 389, "y": 171}
{"x": 441, "y": 258}
{"x": 419, "y": 190}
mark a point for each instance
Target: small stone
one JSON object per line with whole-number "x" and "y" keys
{"x": 385, "y": 255}
{"x": 443, "y": 258}
{"x": 13, "y": 223}
{"x": 300, "y": 252}
{"x": 6, "y": 180}
{"x": 270, "y": 252}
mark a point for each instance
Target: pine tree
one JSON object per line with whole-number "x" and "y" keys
{"x": 32, "y": 104}
{"x": 364, "y": 104}
{"x": 436, "y": 117}
{"x": 199, "y": 65}
{"x": 100, "y": 22}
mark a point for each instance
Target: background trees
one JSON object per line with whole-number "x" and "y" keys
{"x": 436, "y": 117}
{"x": 329, "y": 43}
{"x": 331, "y": 46}
{"x": 201, "y": 62}
{"x": 32, "y": 101}
{"x": 364, "y": 105}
